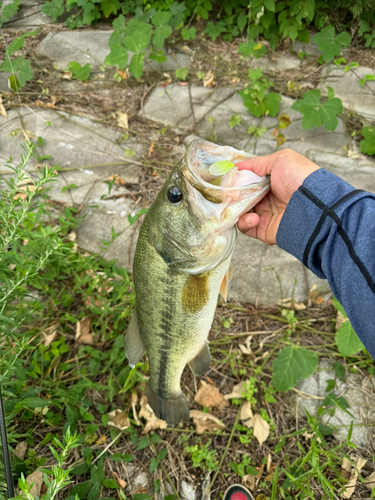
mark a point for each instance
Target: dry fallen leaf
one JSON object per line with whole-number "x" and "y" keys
{"x": 260, "y": 426}
{"x": 118, "y": 419}
{"x": 122, "y": 73}
{"x": 245, "y": 348}
{"x": 102, "y": 439}
{"x": 355, "y": 470}
{"x": 205, "y": 421}
{"x": 122, "y": 120}
{"x": 35, "y": 479}
{"x": 21, "y": 449}
{"x": 250, "y": 480}
{"x": 246, "y": 412}
{"x": 209, "y": 79}
{"x": 147, "y": 413}
{"x": 2, "y": 109}
{"x": 346, "y": 464}
{"x": 67, "y": 75}
{"x": 48, "y": 339}
{"x": 208, "y": 395}
{"x": 370, "y": 481}
{"x": 83, "y": 335}
{"x": 120, "y": 481}
{"x": 119, "y": 181}
{"x": 291, "y": 303}
{"x": 134, "y": 401}
{"x": 237, "y": 391}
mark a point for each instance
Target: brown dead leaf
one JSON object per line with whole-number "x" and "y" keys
{"x": 151, "y": 150}
{"x": 260, "y": 426}
{"x": 48, "y": 339}
{"x": 237, "y": 391}
{"x": 122, "y": 120}
{"x": 118, "y": 419}
{"x": 208, "y": 395}
{"x": 246, "y": 412}
{"x": 120, "y": 481}
{"x": 2, "y": 109}
{"x": 209, "y": 79}
{"x": 291, "y": 303}
{"x": 280, "y": 140}
{"x": 370, "y": 481}
{"x": 21, "y": 449}
{"x": 346, "y": 464}
{"x": 340, "y": 319}
{"x": 355, "y": 470}
{"x": 147, "y": 413}
{"x": 122, "y": 73}
{"x": 245, "y": 348}
{"x": 205, "y": 421}
{"x": 83, "y": 335}
{"x": 36, "y": 480}
{"x": 119, "y": 181}
{"x": 251, "y": 480}
{"x": 275, "y": 131}
{"x": 319, "y": 300}
{"x": 52, "y": 103}
{"x": 134, "y": 401}
{"x": 101, "y": 440}
{"x": 72, "y": 236}
{"x": 67, "y": 75}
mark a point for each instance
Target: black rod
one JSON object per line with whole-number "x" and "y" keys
{"x": 6, "y": 456}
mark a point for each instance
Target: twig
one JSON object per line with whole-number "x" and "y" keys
{"x": 166, "y": 473}
{"x": 107, "y": 447}
{"x": 226, "y": 448}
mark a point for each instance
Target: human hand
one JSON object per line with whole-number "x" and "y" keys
{"x": 288, "y": 170}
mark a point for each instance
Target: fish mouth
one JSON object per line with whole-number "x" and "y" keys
{"x": 237, "y": 191}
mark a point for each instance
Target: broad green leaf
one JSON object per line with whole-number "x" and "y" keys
{"x": 109, "y": 7}
{"x": 284, "y": 121}
{"x": 367, "y": 78}
{"x": 364, "y": 27}
{"x": 178, "y": 11}
{"x": 368, "y": 144}
{"x": 154, "y": 464}
{"x": 270, "y": 5}
{"x": 339, "y": 370}
{"x": 220, "y": 167}
{"x": 160, "y": 34}
{"x": 291, "y": 364}
{"x": 117, "y": 57}
{"x": 9, "y": 10}
{"x": 19, "y": 42}
{"x": 338, "y": 307}
{"x": 182, "y": 73}
{"x": 81, "y": 489}
{"x": 255, "y": 74}
{"x": 137, "y": 36}
{"x": 13, "y": 83}
{"x": 21, "y": 67}
{"x": 338, "y": 401}
{"x": 160, "y": 18}
{"x": 272, "y": 102}
{"x": 80, "y": 72}
{"x": 53, "y": 9}
{"x": 215, "y": 30}
{"x": 35, "y": 403}
{"x": 330, "y": 45}
{"x": 136, "y": 64}
{"x": 242, "y": 21}
{"x": 158, "y": 56}
{"x": 188, "y": 34}
{"x": 347, "y": 340}
{"x": 119, "y": 24}
{"x": 328, "y": 112}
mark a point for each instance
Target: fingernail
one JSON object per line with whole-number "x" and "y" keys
{"x": 249, "y": 221}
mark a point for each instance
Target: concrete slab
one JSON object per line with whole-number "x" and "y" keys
{"x": 30, "y": 15}
{"x": 356, "y": 389}
{"x": 91, "y": 46}
{"x": 357, "y": 98}
{"x": 275, "y": 63}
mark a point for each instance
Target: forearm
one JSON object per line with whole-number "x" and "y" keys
{"x": 330, "y": 227}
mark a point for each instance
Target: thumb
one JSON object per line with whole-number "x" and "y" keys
{"x": 262, "y": 165}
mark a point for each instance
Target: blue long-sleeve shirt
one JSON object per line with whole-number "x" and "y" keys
{"x": 330, "y": 227}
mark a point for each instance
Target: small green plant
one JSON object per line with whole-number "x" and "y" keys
{"x": 367, "y": 78}
{"x": 256, "y": 97}
{"x": 367, "y": 145}
{"x": 181, "y": 73}
{"x": 347, "y": 340}
{"x": 80, "y": 72}
{"x": 188, "y": 33}
{"x": 292, "y": 363}
{"x": 252, "y": 49}
{"x": 235, "y": 121}
{"x": 244, "y": 467}
{"x": 317, "y": 113}
{"x": 329, "y": 44}
{"x": 202, "y": 456}
{"x": 20, "y": 68}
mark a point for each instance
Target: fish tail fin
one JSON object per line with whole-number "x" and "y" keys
{"x": 172, "y": 410}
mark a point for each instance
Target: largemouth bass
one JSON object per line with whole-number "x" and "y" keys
{"x": 181, "y": 264}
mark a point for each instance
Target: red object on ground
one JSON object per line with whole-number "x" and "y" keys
{"x": 238, "y": 496}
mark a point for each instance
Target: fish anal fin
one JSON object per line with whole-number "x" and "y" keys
{"x": 196, "y": 293}
{"x": 202, "y": 362}
{"x": 225, "y": 283}
{"x": 171, "y": 410}
{"x": 134, "y": 348}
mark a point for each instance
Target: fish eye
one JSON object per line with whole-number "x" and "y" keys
{"x": 174, "y": 195}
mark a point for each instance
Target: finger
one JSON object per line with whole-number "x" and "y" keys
{"x": 261, "y": 165}
{"x": 248, "y": 222}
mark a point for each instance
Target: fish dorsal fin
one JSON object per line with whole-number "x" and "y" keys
{"x": 134, "y": 348}
{"x": 196, "y": 293}
{"x": 225, "y": 283}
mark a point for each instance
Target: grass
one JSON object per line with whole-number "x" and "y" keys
{"x": 58, "y": 385}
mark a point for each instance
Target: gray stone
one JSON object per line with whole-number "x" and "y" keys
{"x": 187, "y": 491}
{"x": 137, "y": 477}
{"x": 87, "y": 148}
{"x": 357, "y": 98}
{"x": 310, "y": 48}
{"x": 357, "y": 390}
{"x": 91, "y": 46}
{"x": 30, "y": 15}
{"x": 284, "y": 62}
{"x": 264, "y": 274}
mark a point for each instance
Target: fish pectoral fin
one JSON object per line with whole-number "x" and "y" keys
{"x": 225, "y": 283}
{"x": 171, "y": 410}
{"x": 134, "y": 348}
{"x": 195, "y": 294}
{"x": 202, "y": 362}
